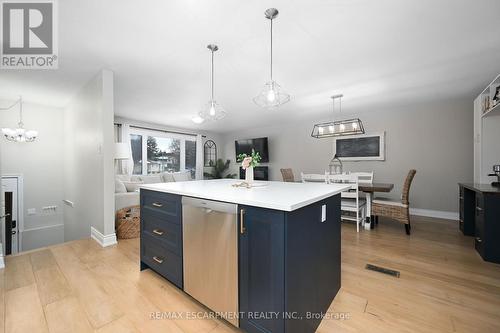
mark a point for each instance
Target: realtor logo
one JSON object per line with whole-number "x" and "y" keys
{"x": 28, "y": 35}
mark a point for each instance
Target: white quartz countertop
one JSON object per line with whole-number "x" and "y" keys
{"x": 266, "y": 194}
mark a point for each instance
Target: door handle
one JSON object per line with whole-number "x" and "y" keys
{"x": 158, "y": 259}
{"x": 158, "y": 232}
{"x": 6, "y": 215}
{"x": 157, "y": 204}
{"x": 242, "y": 223}
{"x": 479, "y": 240}
{"x": 479, "y": 208}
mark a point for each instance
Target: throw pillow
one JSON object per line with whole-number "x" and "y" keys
{"x": 182, "y": 176}
{"x": 132, "y": 186}
{"x": 120, "y": 187}
{"x": 151, "y": 179}
{"x": 168, "y": 177}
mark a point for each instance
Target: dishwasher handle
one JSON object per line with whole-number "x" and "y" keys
{"x": 210, "y": 205}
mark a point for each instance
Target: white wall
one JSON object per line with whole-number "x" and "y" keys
{"x": 41, "y": 165}
{"x": 88, "y": 173}
{"x": 436, "y": 139}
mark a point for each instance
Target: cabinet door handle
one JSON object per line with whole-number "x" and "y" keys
{"x": 158, "y": 259}
{"x": 157, "y": 204}
{"x": 479, "y": 209}
{"x": 461, "y": 198}
{"x": 479, "y": 240}
{"x": 158, "y": 232}
{"x": 242, "y": 223}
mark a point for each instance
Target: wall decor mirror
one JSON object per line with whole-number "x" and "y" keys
{"x": 209, "y": 153}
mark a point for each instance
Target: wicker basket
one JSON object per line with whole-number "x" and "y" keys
{"x": 128, "y": 222}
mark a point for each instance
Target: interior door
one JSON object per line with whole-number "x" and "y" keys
{"x": 2, "y": 215}
{"x": 10, "y": 208}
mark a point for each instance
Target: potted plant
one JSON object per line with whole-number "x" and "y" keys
{"x": 219, "y": 170}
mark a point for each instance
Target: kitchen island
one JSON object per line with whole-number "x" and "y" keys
{"x": 266, "y": 258}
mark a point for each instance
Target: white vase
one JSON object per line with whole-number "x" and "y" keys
{"x": 249, "y": 175}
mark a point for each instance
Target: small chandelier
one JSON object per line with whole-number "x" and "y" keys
{"x": 212, "y": 111}
{"x": 271, "y": 96}
{"x": 19, "y": 134}
{"x": 338, "y": 127}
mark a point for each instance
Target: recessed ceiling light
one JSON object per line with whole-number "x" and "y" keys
{"x": 197, "y": 119}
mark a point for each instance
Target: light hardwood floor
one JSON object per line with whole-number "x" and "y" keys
{"x": 81, "y": 287}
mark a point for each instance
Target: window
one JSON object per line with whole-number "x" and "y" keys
{"x": 164, "y": 151}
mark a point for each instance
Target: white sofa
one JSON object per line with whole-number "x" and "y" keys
{"x": 126, "y": 186}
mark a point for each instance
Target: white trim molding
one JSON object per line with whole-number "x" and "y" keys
{"x": 103, "y": 240}
{"x": 434, "y": 213}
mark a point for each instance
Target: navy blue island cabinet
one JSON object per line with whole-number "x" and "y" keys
{"x": 288, "y": 261}
{"x": 289, "y": 266}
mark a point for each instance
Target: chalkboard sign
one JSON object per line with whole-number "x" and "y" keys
{"x": 360, "y": 147}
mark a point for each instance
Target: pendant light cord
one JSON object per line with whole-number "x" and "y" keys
{"x": 20, "y": 101}
{"x": 21, "y": 124}
{"x": 212, "y": 75}
{"x": 271, "y": 50}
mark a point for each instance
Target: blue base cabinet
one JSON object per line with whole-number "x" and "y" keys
{"x": 289, "y": 266}
{"x": 161, "y": 235}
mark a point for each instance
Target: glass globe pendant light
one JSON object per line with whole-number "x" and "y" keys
{"x": 212, "y": 110}
{"x": 19, "y": 134}
{"x": 271, "y": 95}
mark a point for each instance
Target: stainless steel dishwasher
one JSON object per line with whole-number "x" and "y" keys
{"x": 210, "y": 251}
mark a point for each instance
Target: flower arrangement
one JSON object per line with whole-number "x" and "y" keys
{"x": 249, "y": 161}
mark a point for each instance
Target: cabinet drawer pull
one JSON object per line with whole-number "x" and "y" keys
{"x": 479, "y": 240}
{"x": 158, "y": 232}
{"x": 158, "y": 259}
{"x": 157, "y": 204}
{"x": 242, "y": 223}
{"x": 479, "y": 209}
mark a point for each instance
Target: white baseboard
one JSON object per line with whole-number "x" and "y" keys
{"x": 434, "y": 213}
{"x": 34, "y": 238}
{"x": 103, "y": 240}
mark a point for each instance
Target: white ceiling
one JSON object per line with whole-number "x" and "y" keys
{"x": 379, "y": 54}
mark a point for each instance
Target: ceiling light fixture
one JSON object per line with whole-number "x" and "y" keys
{"x": 271, "y": 96}
{"x": 338, "y": 127}
{"x": 19, "y": 134}
{"x": 212, "y": 110}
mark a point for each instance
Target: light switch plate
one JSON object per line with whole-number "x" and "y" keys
{"x": 323, "y": 213}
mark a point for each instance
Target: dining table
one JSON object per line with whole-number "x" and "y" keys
{"x": 370, "y": 189}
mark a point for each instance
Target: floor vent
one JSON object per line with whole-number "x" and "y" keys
{"x": 382, "y": 270}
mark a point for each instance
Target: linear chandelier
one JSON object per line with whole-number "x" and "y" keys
{"x": 19, "y": 134}
{"x": 271, "y": 95}
{"x": 338, "y": 127}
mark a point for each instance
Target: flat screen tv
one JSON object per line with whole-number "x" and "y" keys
{"x": 245, "y": 146}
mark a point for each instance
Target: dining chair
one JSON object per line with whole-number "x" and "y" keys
{"x": 287, "y": 175}
{"x": 353, "y": 208}
{"x": 396, "y": 210}
{"x": 364, "y": 177}
{"x": 314, "y": 177}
